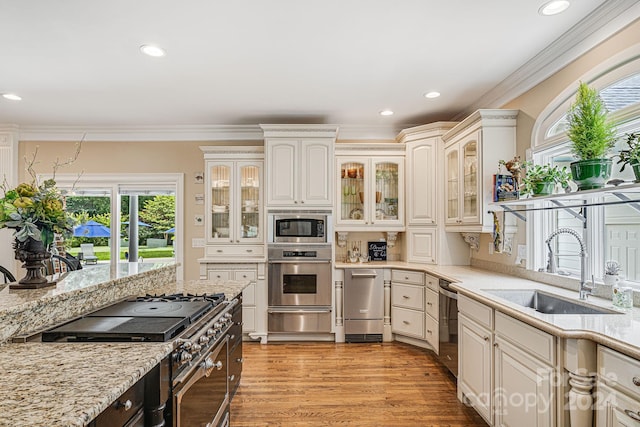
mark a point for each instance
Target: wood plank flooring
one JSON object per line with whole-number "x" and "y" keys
{"x": 329, "y": 384}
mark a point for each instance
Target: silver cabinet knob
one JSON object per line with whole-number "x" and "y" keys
{"x": 636, "y": 381}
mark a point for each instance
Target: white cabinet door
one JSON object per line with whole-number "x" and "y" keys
{"x": 524, "y": 396}
{"x": 282, "y": 172}
{"x": 422, "y": 245}
{"x": 475, "y": 367}
{"x": 421, "y": 182}
{"x": 615, "y": 409}
{"x": 316, "y": 173}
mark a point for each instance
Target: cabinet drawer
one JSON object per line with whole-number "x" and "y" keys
{"x": 476, "y": 311}
{"x": 431, "y": 331}
{"x": 219, "y": 275}
{"x": 404, "y": 276}
{"x": 407, "y": 296}
{"x": 431, "y": 301}
{"x": 125, "y": 409}
{"x": 619, "y": 371}
{"x": 433, "y": 283}
{"x": 532, "y": 340}
{"x": 249, "y": 295}
{"x": 407, "y": 322}
{"x": 245, "y": 275}
{"x": 234, "y": 250}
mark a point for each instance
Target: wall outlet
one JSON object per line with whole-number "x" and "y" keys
{"x": 197, "y": 242}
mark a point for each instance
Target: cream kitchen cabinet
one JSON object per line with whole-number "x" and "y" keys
{"x": 427, "y": 242}
{"x": 473, "y": 149}
{"x": 234, "y": 223}
{"x": 371, "y": 192}
{"x": 299, "y": 165}
{"x": 618, "y": 386}
{"x": 502, "y": 358}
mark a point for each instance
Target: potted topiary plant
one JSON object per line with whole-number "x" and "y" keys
{"x": 592, "y": 135}
{"x": 541, "y": 180}
{"x": 611, "y": 271}
{"x": 631, "y": 156}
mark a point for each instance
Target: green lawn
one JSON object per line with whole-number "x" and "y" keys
{"x": 103, "y": 254}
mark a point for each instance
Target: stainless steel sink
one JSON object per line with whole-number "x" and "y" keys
{"x": 547, "y": 303}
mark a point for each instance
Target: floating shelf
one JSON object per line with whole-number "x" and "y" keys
{"x": 627, "y": 194}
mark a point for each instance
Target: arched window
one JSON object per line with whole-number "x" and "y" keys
{"x": 611, "y": 232}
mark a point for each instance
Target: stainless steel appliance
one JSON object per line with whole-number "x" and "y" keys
{"x": 299, "y": 227}
{"x": 363, "y": 305}
{"x": 192, "y": 385}
{"x": 299, "y": 288}
{"x": 448, "y": 324}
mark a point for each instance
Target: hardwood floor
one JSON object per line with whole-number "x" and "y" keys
{"x": 323, "y": 384}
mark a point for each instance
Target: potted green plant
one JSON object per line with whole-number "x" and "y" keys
{"x": 631, "y": 156}
{"x": 541, "y": 180}
{"x": 592, "y": 135}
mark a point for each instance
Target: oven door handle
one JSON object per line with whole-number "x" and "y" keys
{"x": 305, "y": 261}
{"x": 449, "y": 294}
{"x": 297, "y": 310}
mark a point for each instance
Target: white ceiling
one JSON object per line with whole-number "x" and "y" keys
{"x": 77, "y": 64}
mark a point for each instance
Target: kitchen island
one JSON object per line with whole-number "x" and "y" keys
{"x": 69, "y": 384}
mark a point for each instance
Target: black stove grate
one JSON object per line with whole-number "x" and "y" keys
{"x": 183, "y": 297}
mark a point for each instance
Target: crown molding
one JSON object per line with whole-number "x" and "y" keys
{"x": 200, "y": 133}
{"x": 606, "y": 20}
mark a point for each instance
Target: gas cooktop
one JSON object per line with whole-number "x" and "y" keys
{"x": 151, "y": 318}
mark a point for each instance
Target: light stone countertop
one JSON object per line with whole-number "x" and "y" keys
{"x": 620, "y": 332}
{"x": 69, "y": 384}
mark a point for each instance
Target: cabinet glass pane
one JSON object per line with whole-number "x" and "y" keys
{"x": 386, "y": 191}
{"x": 220, "y": 199}
{"x": 352, "y": 186}
{"x": 452, "y": 184}
{"x": 250, "y": 201}
{"x": 470, "y": 159}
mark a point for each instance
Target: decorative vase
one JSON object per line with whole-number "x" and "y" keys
{"x": 611, "y": 279}
{"x": 33, "y": 254}
{"x": 636, "y": 171}
{"x": 590, "y": 174}
{"x": 544, "y": 188}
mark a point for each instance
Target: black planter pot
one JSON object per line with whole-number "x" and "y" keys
{"x": 33, "y": 254}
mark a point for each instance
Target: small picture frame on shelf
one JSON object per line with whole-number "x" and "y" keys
{"x": 504, "y": 188}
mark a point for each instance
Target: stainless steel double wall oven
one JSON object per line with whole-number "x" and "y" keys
{"x": 299, "y": 273}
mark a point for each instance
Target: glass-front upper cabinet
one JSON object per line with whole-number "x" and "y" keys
{"x": 235, "y": 201}
{"x": 470, "y": 164}
{"x": 370, "y": 191}
{"x": 452, "y": 185}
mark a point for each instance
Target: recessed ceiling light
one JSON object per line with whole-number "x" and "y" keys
{"x": 11, "y": 96}
{"x": 151, "y": 50}
{"x": 386, "y": 113}
{"x": 432, "y": 94}
{"x": 554, "y": 7}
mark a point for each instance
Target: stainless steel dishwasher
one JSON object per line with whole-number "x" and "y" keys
{"x": 448, "y": 322}
{"x": 363, "y": 305}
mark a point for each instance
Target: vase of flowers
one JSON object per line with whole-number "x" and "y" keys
{"x": 35, "y": 212}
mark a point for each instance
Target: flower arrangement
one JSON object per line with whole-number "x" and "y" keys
{"x": 35, "y": 211}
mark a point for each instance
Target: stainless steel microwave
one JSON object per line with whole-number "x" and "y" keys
{"x": 299, "y": 228}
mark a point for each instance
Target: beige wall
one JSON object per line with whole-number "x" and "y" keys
{"x": 533, "y": 102}
{"x": 134, "y": 157}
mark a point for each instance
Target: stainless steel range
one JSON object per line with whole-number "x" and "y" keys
{"x": 191, "y": 386}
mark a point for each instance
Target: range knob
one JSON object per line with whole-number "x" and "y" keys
{"x": 195, "y": 348}
{"x": 184, "y": 357}
{"x": 203, "y": 339}
{"x": 211, "y": 332}
{"x": 217, "y": 325}
{"x": 228, "y": 315}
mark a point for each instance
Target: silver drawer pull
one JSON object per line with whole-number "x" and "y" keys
{"x": 126, "y": 405}
{"x": 232, "y": 377}
{"x": 249, "y": 250}
{"x": 405, "y": 297}
{"x": 636, "y": 381}
{"x": 429, "y": 303}
{"x": 633, "y": 415}
{"x": 486, "y": 338}
{"x": 219, "y": 251}
{"x": 429, "y": 331}
{"x": 406, "y": 322}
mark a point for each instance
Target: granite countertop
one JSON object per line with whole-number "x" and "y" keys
{"x": 69, "y": 384}
{"x": 620, "y": 332}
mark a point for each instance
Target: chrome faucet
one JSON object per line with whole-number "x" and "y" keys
{"x": 584, "y": 290}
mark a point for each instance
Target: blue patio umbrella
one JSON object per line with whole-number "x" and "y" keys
{"x": 172, "y": 230}
{"x": 91, "y": 229}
